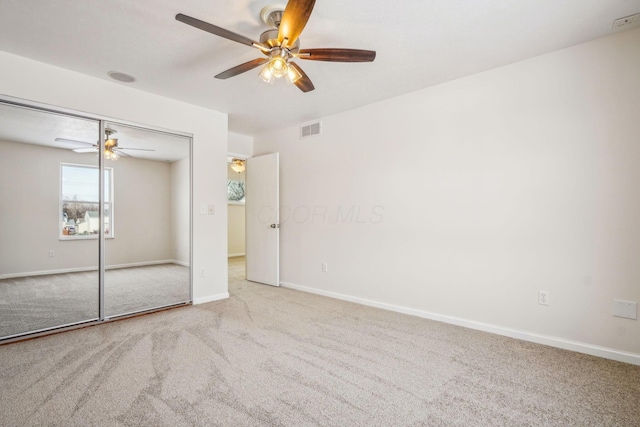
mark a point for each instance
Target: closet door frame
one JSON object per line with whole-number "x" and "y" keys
{"x": 46, "y": 108}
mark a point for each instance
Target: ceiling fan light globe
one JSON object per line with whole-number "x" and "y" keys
{"x": 266, "y": 75}
{"x": 278, "y": 67}
{"x": 110, "y": 155}
{"x": 237, "y": 168}
{"x": 293, "y": 75}
{"x": 237, "y": 165}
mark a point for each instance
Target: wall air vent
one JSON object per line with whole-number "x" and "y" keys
{"x": 307, "y": 131}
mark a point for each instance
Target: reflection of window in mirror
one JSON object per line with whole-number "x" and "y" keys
{"x": 79, "y": 195}
{"x": 235, "y": 191}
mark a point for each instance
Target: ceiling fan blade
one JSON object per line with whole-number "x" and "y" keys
{"x": 137, "y": 149}
{"x": 72, "y": 141}
{"x": 86, "y": 150}
{"x": 294, "y": 19}
{"x": 338, "y": 55}
{"x": 303, "y": 83}
{"x": 122, "y": 153}
{"x": 239, "y": 69}
{"x": 218, "y": 31}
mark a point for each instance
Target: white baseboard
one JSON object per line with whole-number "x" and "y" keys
{"x": 562, "y": 343}
{"x": 81, "y": 269}
{"x": 233, "y": 255}
{"x": 211, "y": 298}
{"x": 47, "y": 272}
{"x": 141, "y": 264}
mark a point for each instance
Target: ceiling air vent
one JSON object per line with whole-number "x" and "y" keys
{"x": 307, "y": 131}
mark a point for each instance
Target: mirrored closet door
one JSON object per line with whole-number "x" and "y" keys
{"x": 48, "y": 243}
{"x": 63, "y": 262}
{"x": 147, "y": 247}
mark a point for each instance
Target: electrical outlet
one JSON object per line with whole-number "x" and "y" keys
{"x": 543, "y": 297}
{"x": 325, "y": 267}
{"x": 203, "y": 209}
{"x": 211, "y": 210}
{"x": 52, "y": 254}
{"x": 202, "y": 272}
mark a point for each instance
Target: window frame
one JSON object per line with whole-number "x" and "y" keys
{"x": 108, "y": 205}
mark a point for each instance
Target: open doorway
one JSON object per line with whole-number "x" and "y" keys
{"x": 253, "y": 220}
{"x": 236, "y": 231}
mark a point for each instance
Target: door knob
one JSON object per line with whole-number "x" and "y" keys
{"x": 275, "y": 226}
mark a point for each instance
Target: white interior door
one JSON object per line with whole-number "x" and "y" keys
{"x": 262, "y": 220}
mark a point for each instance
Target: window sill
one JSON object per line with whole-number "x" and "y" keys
{"x": 233, "y": 202}
{"x": 90, "y": 237}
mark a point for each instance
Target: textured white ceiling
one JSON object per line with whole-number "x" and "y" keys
{"x": 419, "y": 43}
{"x": 28, "y": 126}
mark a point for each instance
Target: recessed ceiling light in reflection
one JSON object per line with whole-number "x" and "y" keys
{"x": 121, "y": 77}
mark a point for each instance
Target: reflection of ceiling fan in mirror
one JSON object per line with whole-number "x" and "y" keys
{"x": 111, "y": 149}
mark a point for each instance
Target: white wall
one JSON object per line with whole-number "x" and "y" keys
{"x": 235, "y": 176}
{"x": 468, "y": 197}
{"x": 29, "y": 218}
{"x": 240, "y": 145}
{"x": 30, "y": 189}
{"x": 236, "y": 242}
{"x": 142, "y": 212}
{"x": 180, "y": 210}
{"x": 27, "y": 79}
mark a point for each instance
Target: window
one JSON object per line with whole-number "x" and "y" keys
{"x": 79, "y": 202}
{"x": 235, "y": 191}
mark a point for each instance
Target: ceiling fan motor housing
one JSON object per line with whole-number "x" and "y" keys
{"x": 272, "y": 14}
{"x": 270, "y": 38}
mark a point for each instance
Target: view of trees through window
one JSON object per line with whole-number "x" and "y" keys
{"x": 80, "y": 201}
{"x": 235, "y": 191}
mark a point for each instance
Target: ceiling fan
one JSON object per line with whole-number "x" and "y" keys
{"x": 281, "y": 45}
{"x": 111, "y": 148}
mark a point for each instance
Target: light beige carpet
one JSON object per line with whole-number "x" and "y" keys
{"x": 39, "y": 302}
{"x": 277, "y": 357}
